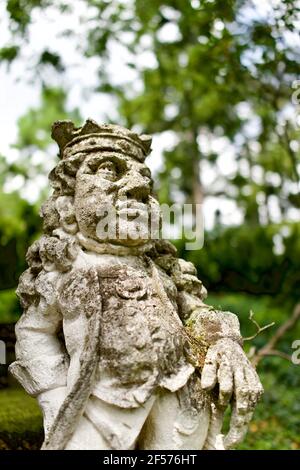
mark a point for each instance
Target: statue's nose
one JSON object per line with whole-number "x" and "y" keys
{"x": 137, "y": 187}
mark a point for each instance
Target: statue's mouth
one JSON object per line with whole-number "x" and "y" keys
{"x": 132, "y": 209}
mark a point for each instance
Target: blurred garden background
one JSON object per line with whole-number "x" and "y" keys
{"x": 217, "y": 84}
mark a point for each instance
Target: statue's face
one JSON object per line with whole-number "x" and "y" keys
{"x": 112, "y": 199}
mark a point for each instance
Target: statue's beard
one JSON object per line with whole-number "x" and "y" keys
{"x": 133, "y": 222}
{"x": 107, "y": 247}
{"x": 128, "y": 223}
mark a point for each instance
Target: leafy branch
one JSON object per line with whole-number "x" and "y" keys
{"x": 259, "y": 328}
{"x": 270, "y": 347}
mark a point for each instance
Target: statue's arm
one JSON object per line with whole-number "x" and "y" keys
{"x": 41, "y": 361}
{"x": 225, "y": 363}
{"x": 217, "y": 335}
{"x": 211, "y": 324}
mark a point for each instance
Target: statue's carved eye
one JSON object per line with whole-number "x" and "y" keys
{"x": 145, "y": 172}
{"x": 110, "y": 169}
{"x": 107, "y": 170}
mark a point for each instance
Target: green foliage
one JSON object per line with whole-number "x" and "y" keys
{"x": 245, "y": 259}
{"x": 9, "y": 306}
{"x": 35, "y": 125}
{"x": 20, "y": 11}
{"x": 266, "y": 310}
{"x": 53, "y": 59}
{"x": 19, "y": 225}
{"x": 11, "y": 216}
{"x": 220, "y": 56}
{"x": 8, "y": 53}
{"x": 12, "y": 406}
{"x": 275, "y": 423}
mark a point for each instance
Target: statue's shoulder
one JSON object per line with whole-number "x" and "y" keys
{"x": 183, "y": 273}
{"x": 52, "y": 253}
{"x": 38, "y": 288}
{"x": 78, "y": 291}
{"x": 48, "y": 259}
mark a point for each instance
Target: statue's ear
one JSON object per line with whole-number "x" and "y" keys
{"x": 65, "y": 208}
{"x": 64, "y": 205}
{"x": 50, "y": 215}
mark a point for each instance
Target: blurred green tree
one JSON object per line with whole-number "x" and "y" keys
{"x": 23, "y": 183}
{"x": 212, "y": 69}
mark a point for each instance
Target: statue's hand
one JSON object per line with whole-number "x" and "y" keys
{"x": 227, "y": 364}
{"x": 50, "y": 403}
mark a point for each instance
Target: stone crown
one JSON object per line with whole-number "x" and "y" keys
{"x": 99, "y": 137}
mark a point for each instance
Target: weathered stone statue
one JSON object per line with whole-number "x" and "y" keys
{"x": 115, "y": 340}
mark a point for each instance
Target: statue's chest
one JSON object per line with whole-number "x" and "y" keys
{"x": 131, "y": 295}
{"x": 139, "y": 324}
{"x": 124, "y": 291}
{"x": 139, "y": 319}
